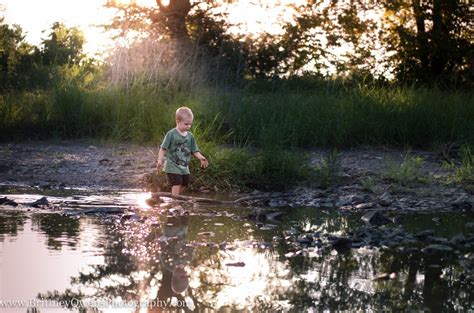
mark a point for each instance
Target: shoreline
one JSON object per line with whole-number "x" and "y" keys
{"x": 362, "y": 182}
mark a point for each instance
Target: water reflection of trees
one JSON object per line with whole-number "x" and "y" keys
{"x": 133, "y": 270}
{"x": 11, "y": 223}
{"x": 268, "y": 280}
{"x": 58, "y": 229}
{"x": 114, "y": 278}
{"x": 349, "y": 282}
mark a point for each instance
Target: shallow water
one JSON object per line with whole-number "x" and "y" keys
{"x": 118, "y": 263}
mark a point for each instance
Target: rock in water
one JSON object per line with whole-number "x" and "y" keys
{"x": 6, "y": 201}
{"x": 342, "y": 244}
{"x": 258, "y": 215}
{"x": 436, "y": 249}
{"x": 43, "y": 201}
{"x": 375, "y": 218}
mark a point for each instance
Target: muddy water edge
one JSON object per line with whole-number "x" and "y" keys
{"x": 110, "y": 248}
{"x": 76, "y": 232}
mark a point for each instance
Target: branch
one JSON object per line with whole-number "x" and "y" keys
{"x": 241, "y": 200}
{"x": 161, "y": 6}
{"x": 156, "y": 195}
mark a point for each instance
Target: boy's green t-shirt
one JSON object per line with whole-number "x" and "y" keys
{"x": 178, "y": 151}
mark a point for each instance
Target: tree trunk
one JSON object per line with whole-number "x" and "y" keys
{"x": 175, "y": 14}
{"x": 437, "y": 53}
{"x": 421, "y": 39}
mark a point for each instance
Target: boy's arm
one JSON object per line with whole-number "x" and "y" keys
{"x": 202, "y": 159}
{"x": 161, "y": 158}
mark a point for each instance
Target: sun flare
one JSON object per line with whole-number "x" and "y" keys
{"x": 245, "y": 16}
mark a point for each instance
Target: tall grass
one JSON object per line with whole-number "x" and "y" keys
{"x": 142, "y": 112}
{"x": 134, "y": 97}
{"x": 242, "y": 169}
{"x": 348, "y": 117}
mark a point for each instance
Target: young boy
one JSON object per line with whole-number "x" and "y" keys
{"x": 177, "y": 148}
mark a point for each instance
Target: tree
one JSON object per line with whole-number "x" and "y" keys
{"x": 193, "y": 32}
{"x": 431, "y": 40}
{"x": 419, "y": 41}
{"x": 15, "y": 55}
{"x": 64, "y": 46}
{"x": 174, "y": 17}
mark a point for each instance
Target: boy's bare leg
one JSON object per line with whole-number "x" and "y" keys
{"x": 175, "y": 190}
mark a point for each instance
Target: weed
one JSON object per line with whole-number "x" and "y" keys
{"x": 464, "y": 168}
{"x": 368, "y": 183}
{"x": 405, "y": 172}
{"x": 327, "y": 172}
{"x": 241, "y": 169}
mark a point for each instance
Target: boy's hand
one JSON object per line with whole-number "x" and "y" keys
{"x": 204, "y": 162}
{"x": 159, "y": 164}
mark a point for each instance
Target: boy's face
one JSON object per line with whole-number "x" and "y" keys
{"x": 184, "y": 124}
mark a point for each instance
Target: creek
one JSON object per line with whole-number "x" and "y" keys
{"x": 102, "y": 250}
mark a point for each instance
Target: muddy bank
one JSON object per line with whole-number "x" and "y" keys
{"x": 362, "y": 182}
{"x": 75, "y": 164}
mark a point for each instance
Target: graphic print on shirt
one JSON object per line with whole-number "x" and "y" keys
{"x": 181, "y": 153}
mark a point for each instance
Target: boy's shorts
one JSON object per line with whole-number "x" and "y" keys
{"x": 177, "y": 179}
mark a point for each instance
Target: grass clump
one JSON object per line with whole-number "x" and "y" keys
{"x": 242, "y": 169}
{"x": 326, "y": 174}
{"x": 464, "y": 168}
{"x": 238, "y": 169}
{"x": 406, "y": 172}
{"x": 465, "y": 172}
{"x": 368, "y": 183}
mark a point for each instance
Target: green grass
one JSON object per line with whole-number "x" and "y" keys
{"x": 399, "y": 116}
{"x": 265, "y": 117}
{"x": 368, "y": 183}
{"x": 258, "y": 123}
{"x": 240, "y": 169}
{"x": 405, "y": 172}
{"x": 326, "y": 174}
{"x": 465, "y": 172}
{"x": 463, "y": 169}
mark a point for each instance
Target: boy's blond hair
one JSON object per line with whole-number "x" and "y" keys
{"x": 183, "y": 112}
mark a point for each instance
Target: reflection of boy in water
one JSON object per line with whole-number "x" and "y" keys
{"x": 175, "y": 255}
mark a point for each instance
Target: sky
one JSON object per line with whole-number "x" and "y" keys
{"x": 36, "y": 16}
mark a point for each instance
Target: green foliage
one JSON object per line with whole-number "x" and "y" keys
{"x": 15, "y": 57}
{"x": 465, "y": 172}
{"x": 330, "y": 114}
{"x": 464, "y": 169}
{"x": 268, "y": 114}
{"x": 266, "y": 169}
{"x": 64, "y": 46}
{"x": 27, "y": 114}
{"x": 368, "y": 183}
{"x": 24, "y": 67}
{"x": 274, "y": 169}
{"x": 406, "y": 172}
{"x": 436, "y": 46}
{"x": 241, "y": 169}
{"x": 326, "y": 174}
